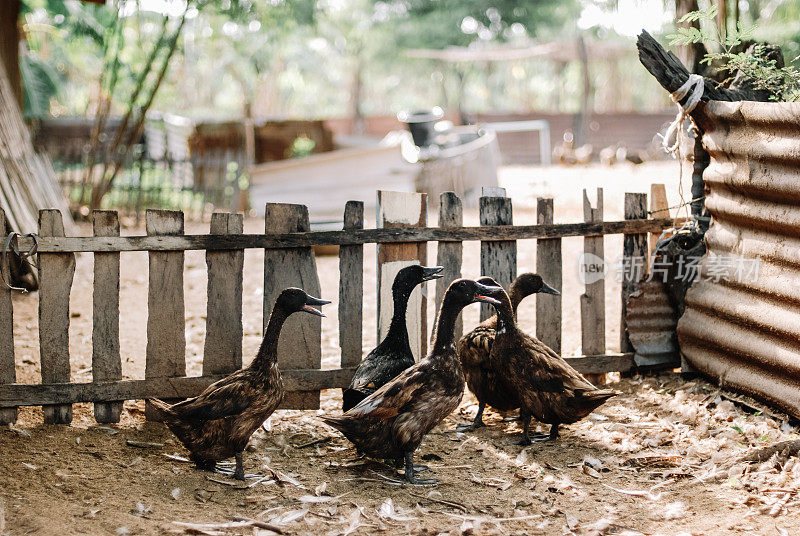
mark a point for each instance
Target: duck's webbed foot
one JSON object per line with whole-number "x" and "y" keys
{"x": 238, "y": 474}
{"x": 411, "y": 469}
{"x": 477, "y": 423}
{"x": 400, "y": 463}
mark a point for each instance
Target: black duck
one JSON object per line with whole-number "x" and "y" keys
{"x": 475, "y": 347}
{"x": 393, "y": 355}
{"x": 218, "y": 423}
{"x": 392, "y": 421}
{"x": 543, "y": 383}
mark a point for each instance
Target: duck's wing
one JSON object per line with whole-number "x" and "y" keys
{"x": 379, "y": 368}
{"x": 547, "y": 371}
{"x": 226, "y": 397}
{"x": 395, "y": 397}
{"x": 475, "y": 347}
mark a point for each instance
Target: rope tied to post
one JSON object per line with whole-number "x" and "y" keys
{"x": 693, "y": 87}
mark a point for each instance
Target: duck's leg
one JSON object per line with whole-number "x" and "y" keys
{"x": 552, "y": 436}
{"x": 238, "y": 474}
{"x": 477, "y": 423}
{"x": 410, "y": 472}
{"x": 525, "y": 440}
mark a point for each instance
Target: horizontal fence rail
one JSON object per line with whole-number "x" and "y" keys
{"x": 349, "y": 237}
{"x": 289, "y": 261}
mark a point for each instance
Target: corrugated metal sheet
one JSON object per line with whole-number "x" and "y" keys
{"x": 650, "y": 320}
{"x": 740, "y": 327}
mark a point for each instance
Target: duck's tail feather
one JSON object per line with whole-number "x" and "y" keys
{"x": 164, "y": 411}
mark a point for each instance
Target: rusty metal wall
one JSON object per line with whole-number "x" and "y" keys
{"x": 739, "y": 327}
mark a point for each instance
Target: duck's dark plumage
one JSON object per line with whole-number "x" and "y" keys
{"x": 547, "y": 388}
{"x": 393, "y": 355}
{"x": 391, "y": 422}
{"x": 474, "y": 350}
{"x": 218, "y": 423}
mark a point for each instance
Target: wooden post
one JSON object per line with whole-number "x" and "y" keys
{"x": 166, "y": 339}
{"x": 300, "y": 343}
{"x": 56, "y": 271}
{"x": 448, "y": 254}
{"x": 106, "y": 363}
{"x": 659, "y": 208}
{"x": 402, "y": 209}
{"x": 549, "y": 266}
{"x": 8, "y": 372}
{"x": 593, "y": 300}
{"x": 351, "y": 289}
{"x": 222, "y": 353}
{"x": 634, "y": 261}
{"x": 498, "y": 258}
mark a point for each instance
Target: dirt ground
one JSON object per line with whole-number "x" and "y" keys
{"x": 659, "y": 459}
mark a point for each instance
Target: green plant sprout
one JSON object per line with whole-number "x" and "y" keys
{"x": 783, "y": 83}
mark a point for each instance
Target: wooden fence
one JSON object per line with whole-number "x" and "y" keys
{"x": 289, "y": 260}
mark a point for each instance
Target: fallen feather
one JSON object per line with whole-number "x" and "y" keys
{"x": 634, "y": 493}
{"x": 177, "y": 458}
{"x": 144, "y": 444}
{"x": 289, "y": 517}
{"x": 176, "y": 493}
{"x": 387, "y": 511}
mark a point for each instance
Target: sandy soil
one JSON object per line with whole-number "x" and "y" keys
{"x": 85, "y": 479}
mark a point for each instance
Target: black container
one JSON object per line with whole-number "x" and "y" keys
{"x": 421, "y": 124}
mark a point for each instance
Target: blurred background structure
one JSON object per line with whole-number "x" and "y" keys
{"x": 145, "y": 103}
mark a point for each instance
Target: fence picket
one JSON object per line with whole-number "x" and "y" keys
{"x": 449, "y": 254}
{"x": 402, "y": 209}
{"x": 166, "y": 339}
{"x": 300, "y": 344}
{"x": 106, "y": 363}
{"x": 351, "y": 289}
{"x": 550, "y": 267}
{"x": 223, "y": 345}
{"x": 498, "y": 258}
{"x": 56, "y": 271}
{"x": 634, "y": 261}
{"x": 593, "y": 300}
{"x": 8, "y": 372}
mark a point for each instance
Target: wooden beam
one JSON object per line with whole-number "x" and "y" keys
{"x": 593, "y": 300}
{"x": 498, "y": 258}
{"x": 351, "y": 290}
{"x": 9, "y": 45}
{"x": 164, "y": 387}
{"x": 222, "y": 353}
{"x": 56, "y": 271}
{"x": 106, "y": 362}
{"x": 448, "y": 253}
{"x": 548, "y": 265}
{"x": 12, "y": 395}
{"x": 634, "y": 261}
{"x": 348, "y": 237}
{"x": 300, "y": 342}
{"x": 8, "y": 373}
{"x": 166, "y": 338}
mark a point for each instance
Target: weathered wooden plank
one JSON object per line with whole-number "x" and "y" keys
{"x": 106, "y": 362}
{"x": 348, "y": 237}
{"x": 171, "y": 388}
{"x": 8, "y": 373}
{"x": 498, "y": 258}
{"x": 593, "y": 300}
{"x": 187, "y": 386}
{"x": 56, "y": 271}
{"x": 549, "y": 266}
{"x": 300, "y": 343}
{"x": 166, "y": 339}
{"x": 634, "y": 261}
{"x": 402, "y": 209}
{"x": 659, "y": 208}
{"x": 351, "y": 289}
{"x": 449, "y": 253}
{"x": 222, "y": 352}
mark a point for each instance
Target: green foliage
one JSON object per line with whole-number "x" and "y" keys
{"x": 782, "y": 82}
{"x": 302, "y": 146}
{"x": 42, "y": 83}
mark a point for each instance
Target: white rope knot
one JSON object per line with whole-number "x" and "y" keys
{"x": 693, "y": 87}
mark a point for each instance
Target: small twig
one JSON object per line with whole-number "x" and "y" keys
{"x": 314, "y": 442}
{"x": 236, "y": 484}
{"x": 260, "y": 524}
{"x": 144, "y": 444}
{"x": 451, "y": 504}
